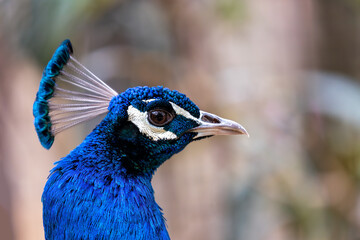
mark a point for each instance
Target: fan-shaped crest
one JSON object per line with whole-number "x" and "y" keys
{"x": 68, "y": 95}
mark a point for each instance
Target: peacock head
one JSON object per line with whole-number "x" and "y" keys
{"x": 156, "y": 122}
{"x": 147, "y": 124}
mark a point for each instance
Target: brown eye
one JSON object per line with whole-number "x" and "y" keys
{"x": 160, "y": 117}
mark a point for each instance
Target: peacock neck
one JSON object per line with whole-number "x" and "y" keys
{"x": 91, "y": 192}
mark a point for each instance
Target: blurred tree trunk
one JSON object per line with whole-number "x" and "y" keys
{"x": 335, "y": 142}
{"x": 25, "y": 165}
{"x": 245, "y": 59}
{"x": 6, "y": 220}
{"x": 339, "y": 35}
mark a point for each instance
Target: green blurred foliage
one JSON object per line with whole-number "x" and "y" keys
{"x": 231, "y": 10}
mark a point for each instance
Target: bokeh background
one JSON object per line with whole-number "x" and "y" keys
{"x": 288, "y": 70}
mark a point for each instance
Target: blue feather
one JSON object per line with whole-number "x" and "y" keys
{"x": 102, "y": 189}
{"x": 42, "y": 120}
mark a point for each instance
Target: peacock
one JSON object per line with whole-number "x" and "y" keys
{"x": 102, "y": 189}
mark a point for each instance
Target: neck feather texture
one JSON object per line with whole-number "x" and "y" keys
{"x": 91, "y": 195}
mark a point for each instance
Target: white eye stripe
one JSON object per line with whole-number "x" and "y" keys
{"x": 149, "y": 100}
{"x": 140, "y": 120}
{"x": 183, "y": 112}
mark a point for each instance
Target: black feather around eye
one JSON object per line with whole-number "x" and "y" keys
{"x": 159, "y": 104}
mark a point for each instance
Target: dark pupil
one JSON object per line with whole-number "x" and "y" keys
{"x": 158, "y": 116}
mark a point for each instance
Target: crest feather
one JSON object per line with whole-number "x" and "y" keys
{"x": 68, "y": 94}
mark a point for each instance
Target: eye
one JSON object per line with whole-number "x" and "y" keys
{"x": 160, "y": 117}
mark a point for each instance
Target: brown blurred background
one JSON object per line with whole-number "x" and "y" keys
{"x": 288, "y": 70}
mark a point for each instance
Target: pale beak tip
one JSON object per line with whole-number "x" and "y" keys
{"x": 215, "y": 125}
{"x": 246, "y": 133}
{"x": 243, "y": 131}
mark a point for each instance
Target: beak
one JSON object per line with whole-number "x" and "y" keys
{"x": 210, "y": 124}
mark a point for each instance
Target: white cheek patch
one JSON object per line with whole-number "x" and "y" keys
{"x": 140, "y": 119}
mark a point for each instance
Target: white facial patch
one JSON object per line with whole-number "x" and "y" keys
{"x": 183, "y": 112}
{"x": 140, "y": 119}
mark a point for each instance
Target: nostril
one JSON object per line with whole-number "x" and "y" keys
{"x": 209, "y": 119}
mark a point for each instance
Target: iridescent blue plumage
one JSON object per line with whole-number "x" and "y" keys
{"x": 102, "y": 189}
{"x": 42, "y": 120}
{"x": 110, "y": 172}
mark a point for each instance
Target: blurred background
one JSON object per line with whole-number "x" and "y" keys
{"x": 287, "y": 70}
